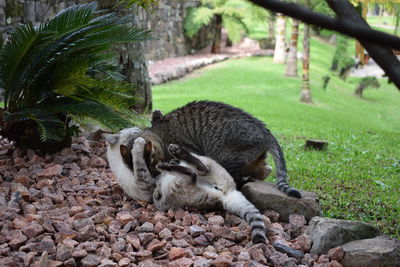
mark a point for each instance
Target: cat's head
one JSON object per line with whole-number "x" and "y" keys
{"x": 120, "y": 145}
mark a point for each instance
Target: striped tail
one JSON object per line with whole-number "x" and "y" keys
{"x": 236, "y": 203}
{"x": 280, "y": 166}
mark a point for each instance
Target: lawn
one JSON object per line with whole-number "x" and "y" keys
{"x": 358, "y": 176}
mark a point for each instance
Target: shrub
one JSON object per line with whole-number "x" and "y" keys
{"x": 57, "y": 73}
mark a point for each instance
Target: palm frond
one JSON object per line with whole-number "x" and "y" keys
{"x": 190, "y": 26}
{"x": 234, "y": 27}
{"x": 70, "y": 19}
{"x": 49, "y": 126}
{"x": 204, "y": 15}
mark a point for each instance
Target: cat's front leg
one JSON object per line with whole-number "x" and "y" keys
{"x": 184, "y": 155}
{"x": 140, "y": 170}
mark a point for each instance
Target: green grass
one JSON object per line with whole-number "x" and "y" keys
{"x": 358, "y": 176}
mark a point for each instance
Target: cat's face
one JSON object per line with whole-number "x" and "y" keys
{"x": 114, "y": 143}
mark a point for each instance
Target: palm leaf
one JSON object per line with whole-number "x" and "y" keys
{"x": 70, "y": 19}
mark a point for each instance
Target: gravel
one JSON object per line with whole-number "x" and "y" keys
{"x": 66, "y": 209}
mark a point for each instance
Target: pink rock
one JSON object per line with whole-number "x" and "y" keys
{"x": 336, "y": 254}
{"x": 244, "y": 256}
{"x": 133, "y": 239}
{"x": 176, "y": 253}
{"x": 165, "y": 233}
{"x": 309, "y": 259}
{"x": 335, "y": 263}
{"x": 216, "y": 220}
{"x": 155, "y": 245}
{"x": 179, "y": 214}
{"x": 16, "y": 237}
{"x": 257, "y": 253}
{"x": 303, "y": 243}
{"x": 33, "y": 229}
{"x": 323, "y": 258}
{"x": 124, "y": 217}
{"x": 272, "y": 215}
{"x": 223, "y": 260}
{"x": 51, "y": 171}
{"x": 182, "y": 262}
{"x": 124, "y": 262}
{"x": 97, "y": 162}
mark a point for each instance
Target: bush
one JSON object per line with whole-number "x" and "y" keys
{"x": 57, "y": 73}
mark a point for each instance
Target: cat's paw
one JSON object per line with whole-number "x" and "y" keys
{"x": 138, "y": 146}
{"x": 175, "y": 150}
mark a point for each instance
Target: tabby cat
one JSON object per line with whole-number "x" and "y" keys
{"x": 198, "y": 182}
{"x": 235, "y": 139}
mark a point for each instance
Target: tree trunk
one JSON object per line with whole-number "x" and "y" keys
{"x": 132, "y": 57}
{"x": 305, "y": 86}
{"x": 359, "y": 90}
{"x": 280, "y": 50}
{"x": 291, "y": 68}
{"x": 216, "y": 45}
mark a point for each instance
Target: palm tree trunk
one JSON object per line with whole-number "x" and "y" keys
{"x": 132, "y": 58}
{"x": 305, "y": 86}
{"x": 359, "y": 90}
{"x": 280, "y": 53}
{"x": 216, "y": 45}
{"x": 291, "y": 68}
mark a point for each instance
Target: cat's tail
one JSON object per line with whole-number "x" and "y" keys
{"x": 237, "y": 203}
{"x": 281, "y": 174}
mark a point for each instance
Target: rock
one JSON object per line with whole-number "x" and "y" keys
{"x": 97, "y": 162}
{"x": 176, "y": 253}
{"x": 196, "y": 230}
{"x": 336, "y": 253}
{"x": 327, "y": 233}
{"x": 124, "y": 262}
{"x": 33, "y": 229}
{"x": 155, "y": 245}
{"x": 223, "y": 260}
{"x": 182, "y": 262}
{"x": 146, "y": 227}
{"x": 51, "y": 171}
{"x": 202, "y": 263}
{"x": 374, "y": 252}
{"x": 265, "y": 196}
{"x": 244, "y": 256}
{"x": 303, "y": 243}
{"x": 201, "y": 241}
{"x": 165, "y": 233}
{"x": 90, "y": 260}
{"x": 133, "y": 239}
{"x": 64, "y": 252}
{"x": 124, "y": 217}
{"x": 216, "y": 220}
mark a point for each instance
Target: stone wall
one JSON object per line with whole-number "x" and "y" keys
{"x": 166, "y": 21}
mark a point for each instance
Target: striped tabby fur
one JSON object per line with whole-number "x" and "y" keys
{"x": 199, "y": 182}
{"x": 235, "y": 139}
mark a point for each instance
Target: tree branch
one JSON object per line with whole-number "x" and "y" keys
{"x": 382, "y": 55}
{"x": 341, "y": 25}
{"x": 378, "y": 42}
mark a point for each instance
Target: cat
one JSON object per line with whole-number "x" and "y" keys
{"x": 235, "y": 139}
{"x": 198, "y": 182}
{"x": 132, "y": 177}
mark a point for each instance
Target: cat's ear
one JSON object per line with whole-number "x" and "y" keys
{"x": 112, "y": 139}
{"x": 126, "y": 156}
{"x": 148, "y": 152}
{"x": 156, "y": 116}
